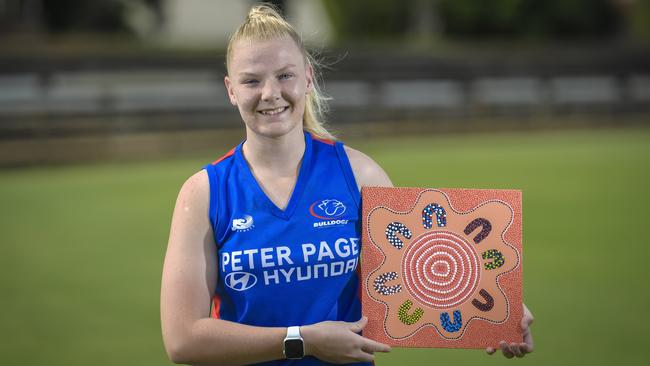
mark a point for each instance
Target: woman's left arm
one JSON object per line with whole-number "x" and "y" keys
{"x": 368, "y": 173}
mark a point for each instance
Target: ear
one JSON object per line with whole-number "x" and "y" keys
{"x": 231, "y": 92}
{"x": 309, "y": 74}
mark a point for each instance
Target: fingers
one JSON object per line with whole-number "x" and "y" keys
{"x": 338, "y": 342}
{"x": 362, "y": 357}
{"x": 527, "y": 319}
{"x": 528, "y": 341}
{"x": 370, "y": 346}
{"x": 505, "y": 349}
{"x": 358, "y": 326}
{"x": 366, "y": 350}
{"x": 517, "y": 349}
{"x": 513, "y": 349}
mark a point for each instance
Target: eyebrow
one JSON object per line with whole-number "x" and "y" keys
{"x": 249, "y": 74}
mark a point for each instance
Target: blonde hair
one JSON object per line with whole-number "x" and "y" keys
{"x": 264, "y": 22}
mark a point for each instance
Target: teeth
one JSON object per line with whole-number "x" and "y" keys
{"x": 273, "y": 111}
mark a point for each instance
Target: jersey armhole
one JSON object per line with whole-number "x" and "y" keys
{"x": 348, "y": 173}
{"x": 214, "y": 185}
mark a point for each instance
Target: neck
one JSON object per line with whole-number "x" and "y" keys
{"x": 281, "y": 155}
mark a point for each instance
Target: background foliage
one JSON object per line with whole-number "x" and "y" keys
{"x": 550, "y": 19}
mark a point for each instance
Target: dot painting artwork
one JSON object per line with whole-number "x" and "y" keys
{"x": 442, "y": 267}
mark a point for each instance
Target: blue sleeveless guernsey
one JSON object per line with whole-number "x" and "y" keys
{"x": 293, "y": 267}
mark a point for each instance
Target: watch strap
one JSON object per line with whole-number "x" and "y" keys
{"x": 293, "y": 332}
{"x": 294, "y": 345}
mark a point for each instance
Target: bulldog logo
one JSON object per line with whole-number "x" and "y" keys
{"x": 328, "y": 209}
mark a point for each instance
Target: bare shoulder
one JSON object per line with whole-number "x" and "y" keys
{"x": 194, "y": 195}
{"x": 196, "y": 184}
{"x": 366, "y": 171}
{"x": 191, "y": 231}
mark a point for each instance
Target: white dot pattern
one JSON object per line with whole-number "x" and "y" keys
{"x": 391, "y": 234}
{"x": 440, "y": 269}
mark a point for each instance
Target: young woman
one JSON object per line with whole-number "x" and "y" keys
{"x": 269, "y": 233}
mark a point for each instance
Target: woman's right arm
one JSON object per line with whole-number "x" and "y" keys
{"x": 189, "y": 278}
{"x": 188, "y": 282}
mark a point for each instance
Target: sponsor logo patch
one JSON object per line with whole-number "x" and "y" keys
{"x": 252, "y": 267}
{"x": 240, "y": 281}
{"x": 329, "y": 210}
{"x": 243, "y": 224}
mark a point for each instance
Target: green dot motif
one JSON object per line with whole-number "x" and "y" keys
{"x": 405, "y": 317}
{"x": 497, "y": 259}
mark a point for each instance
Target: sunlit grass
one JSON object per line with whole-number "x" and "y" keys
{"x": 82, "y": 247}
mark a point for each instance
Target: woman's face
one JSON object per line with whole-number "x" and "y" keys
{"x": 268, "y": 82}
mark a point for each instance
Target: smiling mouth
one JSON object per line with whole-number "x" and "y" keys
{"x": 273, "y": 112}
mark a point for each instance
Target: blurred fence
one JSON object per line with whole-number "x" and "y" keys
{"x": 45, "y": 98}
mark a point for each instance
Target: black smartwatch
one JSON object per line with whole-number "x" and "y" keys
{"x": 294, "y": 347}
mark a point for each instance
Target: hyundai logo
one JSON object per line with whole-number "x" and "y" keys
{"x": 240, "y": 281}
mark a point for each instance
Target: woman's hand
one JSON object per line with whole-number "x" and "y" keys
{"x": 518, "y": 349}
{"x": 338, "y": 342}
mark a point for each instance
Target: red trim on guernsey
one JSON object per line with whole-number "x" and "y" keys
{"x": 329, "y": 142}
{"x": 229, "y": 153}
{"x": 216, "y": 307}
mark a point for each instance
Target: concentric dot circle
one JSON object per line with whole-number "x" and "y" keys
{"x": 441, "y": 269}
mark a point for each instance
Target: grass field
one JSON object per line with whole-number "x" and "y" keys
{"x": 82, "y": 247}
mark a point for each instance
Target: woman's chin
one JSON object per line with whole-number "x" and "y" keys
{"x": 275, "y": 129}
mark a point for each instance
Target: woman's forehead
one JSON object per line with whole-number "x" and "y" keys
{"x": 273, "y": 53}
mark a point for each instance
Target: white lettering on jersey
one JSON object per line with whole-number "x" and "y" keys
{"x": 323, "y": 267}
{"x": 283, "y": 255}
{"x": 318, "y": 261}
{"x": 287, "y": 274}
{"x": 308, "y": 249}
{"x": 268, "y": 276}
{"x": 306, "y": 275}
{"x": 355, "y": 246}
{"x": 337, "y": 272}
{"x": 337, "y": 246}
{"x": 267, "y": 257}
{"x": 318, "y": 224}
{"x": 325, "y": 251}
{"x": 235, "y": 260}
{"x": 249, "y": 253}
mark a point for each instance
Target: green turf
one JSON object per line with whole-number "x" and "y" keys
{"x": 82, "y": 247}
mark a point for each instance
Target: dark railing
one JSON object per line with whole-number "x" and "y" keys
{"x": 99, "y": 95}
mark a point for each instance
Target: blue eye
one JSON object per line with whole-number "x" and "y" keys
{"x": 249, "y": 81}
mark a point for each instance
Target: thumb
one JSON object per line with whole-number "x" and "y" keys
{"x": 526, "y": 321}
{"x": 359, "y": 324}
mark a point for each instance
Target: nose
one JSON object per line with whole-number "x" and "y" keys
{"x": 271, "y": 91}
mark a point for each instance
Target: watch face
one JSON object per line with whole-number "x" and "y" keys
{"x": 293, "y": 348}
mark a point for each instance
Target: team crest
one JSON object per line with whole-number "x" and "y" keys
{"x": 243, "y": 224}
{"x": 328, "y": 209}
